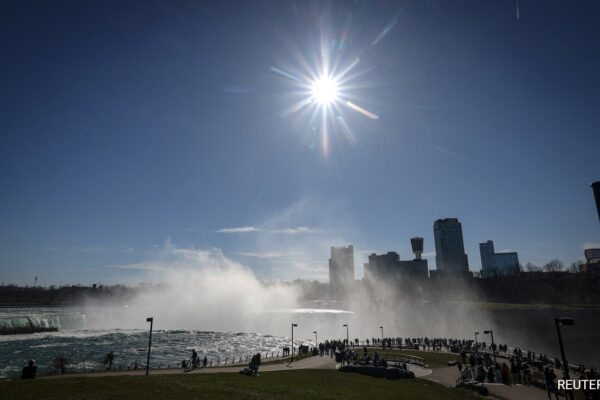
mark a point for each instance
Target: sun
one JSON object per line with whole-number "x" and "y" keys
{"x": 324, "y": 91}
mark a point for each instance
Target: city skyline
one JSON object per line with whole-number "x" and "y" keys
{"x": 134, "y": 136}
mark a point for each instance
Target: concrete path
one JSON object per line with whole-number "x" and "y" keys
{"x": 516, "y": 392}
{"x": 305, "y": 363}
{"x": 448, "y": 376}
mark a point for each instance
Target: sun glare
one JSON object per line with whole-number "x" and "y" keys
{"x": 324, "y": 91}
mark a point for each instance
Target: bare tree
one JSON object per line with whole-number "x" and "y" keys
{"x": 554, "y": 265}
{"x": 574, "y": 267}
{"x": 531, "y": 267}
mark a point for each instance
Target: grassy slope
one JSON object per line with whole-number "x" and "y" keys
{"x": 300, "y": 384}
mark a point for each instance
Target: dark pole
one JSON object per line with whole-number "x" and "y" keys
{"x": 476, "y": 344}
{"x": 564, "y": 321}
{"x": 316, "y": 338}
{"x": 151, "y": 320}
{"x": 293, "y": 325}
{"x": 491, "y": 333}
{"x": 347, "y": 337}
{"x": 596, "y": 189}
{"x": 381, "y": 336}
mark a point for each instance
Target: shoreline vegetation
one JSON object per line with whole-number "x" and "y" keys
{"x": 19, "y": 330}
{"x": 528, "y": 290}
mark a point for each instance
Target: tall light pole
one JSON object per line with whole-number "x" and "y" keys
{"x": 347, "y": 337}
{"x": 151, "y": 320}
{"x": 316, "y": 338}
{"x": 491, "y": 333}
{"x": 476, "y": 344}
{"x": 558, "y": 321}
{"x": 293, "y": 325}
{"x": 382, "y": 345}
{"x": 596, "y": 188}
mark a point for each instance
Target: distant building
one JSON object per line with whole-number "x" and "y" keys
{"x": 592, "y": 261}
{"x": 450, "y": 254}
{"x": 496, "y": 264}
{"x": 389, "y": 268}
{"x": 341, "y": 269}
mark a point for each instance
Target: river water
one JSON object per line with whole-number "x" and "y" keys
{"x": 86, "y": 334}
{"x": 84, "y": 344}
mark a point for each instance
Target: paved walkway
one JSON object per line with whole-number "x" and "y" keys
{"x": 448, "y": 376}
{"x": 305, "y": 363}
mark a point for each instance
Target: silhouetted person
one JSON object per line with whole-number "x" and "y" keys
{"x": 29, "y": 371}
{"x": 61, "y": 364}
{"x": 204, "y": 362}
{"x": 108, "y": 360}
{"x": 550, "y": 377}
{"x": 194, "y": 359}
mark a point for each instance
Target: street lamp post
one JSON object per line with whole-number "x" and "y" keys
{"x": 382, "y": 345}
{"x": 316, "y": 338}
{"x": 347, "y": 337}
{"x": 558, "y": 321}
{"x": 491, "y": 333}
{"x": 151, "y": 320}
{"x": 476, "y": 344}
{"x": 596, "y": 189}
{"x": 293, "y": 325}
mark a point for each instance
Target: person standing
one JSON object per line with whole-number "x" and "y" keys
{"x": 29, "y": 371}
{"x": 194, "y": 359}
{"x": 550, "y": 377}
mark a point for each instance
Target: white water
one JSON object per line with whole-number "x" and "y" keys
{"x": 83, "y": 344}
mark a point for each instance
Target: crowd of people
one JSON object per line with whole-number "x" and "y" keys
{"x": 477, "y": 360}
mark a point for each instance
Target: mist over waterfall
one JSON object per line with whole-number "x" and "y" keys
{"x": 203, "y": 290}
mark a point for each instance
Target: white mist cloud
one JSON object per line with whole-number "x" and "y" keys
{"x": 284, "y": 231}
{"x": 241, "y": 229}
{"x": 202, "y": 289}
{"x": 590, "y": 245}
{"x": 266, "y": 254}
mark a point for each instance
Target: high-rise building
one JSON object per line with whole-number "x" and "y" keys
{"x": 486, "y": 250}
{"x": 389, "y": 268}
{"x": 495, "y": 264}
{"x": 450, "y": 254}
{"x": 341, "y": 269}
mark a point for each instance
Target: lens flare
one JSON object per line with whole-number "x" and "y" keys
{"x": 324, "y": 91}
{"x": 328, "y": 88}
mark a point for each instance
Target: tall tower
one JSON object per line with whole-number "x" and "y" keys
{"x": 417, "y": 246}
{"x": 341, "y": 269}
{"x": 449, "y": 246}
{"x": 486, "y": 250}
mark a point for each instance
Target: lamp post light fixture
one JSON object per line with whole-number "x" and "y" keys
{"x": 151, "y": 320}
{"x": 347, "y": 337}
{"x": 558, "y": 321}
{"x": 596, "y": 188}
{"x": 491, "y": 333}
{"x": 293, "y": 325}
{"x": 316, "y": 338}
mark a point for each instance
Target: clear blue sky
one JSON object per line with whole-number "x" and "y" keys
{"x": 132, "y": 128}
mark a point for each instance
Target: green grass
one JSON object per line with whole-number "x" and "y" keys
{"x": 299, "y": 384}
